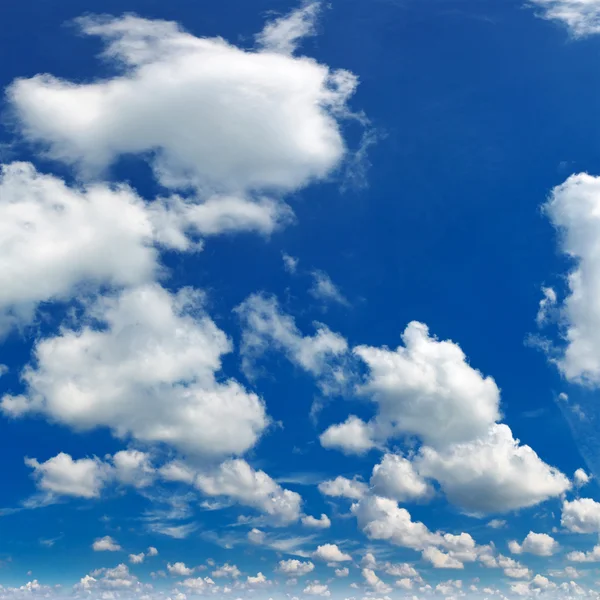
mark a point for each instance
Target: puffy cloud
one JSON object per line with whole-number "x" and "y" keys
{"x": 295, "y": 568}
{"x": 592, "y": 556}
{"x": 290, "y": 263}
{"x": 322, "y": 523}
{"x": 152, "y": 551}
{"x": 53, "y": 238}
{"x": 227, "y": 570}
{"x": 317, "y": 589}
{"x": 133, "y": 467}
{"x": 573, "y": 208}
{"x": 396, "y": 478}
{"x": 237, "y": 480}
{"x": 324, "y": 289}
{"x": 179, "y": 569}
{"x": 205, "y": 113}
{"x": 497, "y": 523}
{"x": 492, "y": 474}
{"x": 581, "y": 478}
{"x": 382, "y": 519}
{"x": 197, "y": 584}
{"x": 63, "y": 476}
{"x": 343, "y": 572}
{"x": 581, "y": 515}
{"x": 137, "y": 559}
{"x": 547, "y": 305}
{"x": 375, "y": 582}
{"x": 581, "y": 17}
{"x": 331, "y": 553}
{"x": 342, "y": 487}
{"x": 106, "y": 544}
{"x": 441, "y": 560}
{"x": 427, "y": 388}
{"x": 540, "y": 544}
{"x": 150, "y": 373}
{"x": 260, "y": 579}
{"x": 353, "y": 436}
{"x": 266, "y": 327}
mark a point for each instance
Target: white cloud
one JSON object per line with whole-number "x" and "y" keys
{"x": 581, "y": 478}
{"x": 592, "y": 556}
{"x": 343, "y": 572}
{"x": 63, "y": 476}
{"x": 581, "y": 515}
{"x": 396, "y": 478}
{"x": 53, "y": 238}
{"x": 540, "y": 544}
{"x": 237, "y": 480}
{"x": 106, "y": 544}
{"x": 149, "y": 373}
{"x": 227, "y": 570}
{"x": 290, "y": 263}
{"x": 382, "y": 519}
{"x": 266, "y": 327}
{"x": 317, "y": 589}
{"x": 321, "y": 523}
{"x": 546, "y": 306}
{"x": 492, "y": 474}
{"x": 179, "y": 569}
{"x": 295, "y": 568}
{"x": 260, "y": 579}
{"x": 331, "y": 553}
{"x": 497, "y": 523}
{"x": 342, "y": 487}
{"x": 152, "y": 551}
{"x": 137, "y": 559}
{"x": 133, "y": 467}
{"x": 324, "y": 289}
{"x": 581, "y": 17}
{"x": 441, "y": 560}
{"x": 283, "y": 34}
{"x": 375, "y": 582}
{"x": 427, "y": 388}
{"x": 205, "y": 113}
{"x": 353, "y": 436}
{"x": 573, "y": 209}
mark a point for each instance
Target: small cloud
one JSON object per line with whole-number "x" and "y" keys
{"x": 106, "y": 544}
{"x": 324, "y": 289}
{"x": 290, "y": 263}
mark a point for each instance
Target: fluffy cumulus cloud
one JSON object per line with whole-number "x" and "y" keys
{"x": 331, "y": 553}
{"x": 342, "y": 487}
{"x": 106, "y": 544}
{"x": 295, "y": 568}
{"x": 237, "y": 480}
{"x": 581, "y": 515}
{"x": 573, "y": 208}
{"x": 396, "y": 478}
{"x": 63, "y": 476}
{"x": 382, "y": 519}
{"x": 427, "y": 388}
{"x": 353, "y": 436}
{"x": 150, "y": 373}
{"x": 540, "y": 544}
{"x": 54, "y": 238}
{"x": 322, "y": 522}
{"x": 231, "y": 123}
{"x": 493, "y": 473}
{"x": 581, "y": 17}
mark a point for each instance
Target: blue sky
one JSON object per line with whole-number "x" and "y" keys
{"x": 300, "y": 300}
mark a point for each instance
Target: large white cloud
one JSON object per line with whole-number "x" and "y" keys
{"x": 395, "y": 477}
{"x": 382, "y": 519}
{"x": 574, "y": 209}
{"x": 581, "y": 515}
{"x": 427, "y": 388}
{"x": 237, "y": 480}
{"x": 206, "y": 114}
{"x": 493, "y": 473}
{"x": 582, "y": 17}
{"x": 150, "y": 372}
{"x": 54, "y": 238}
